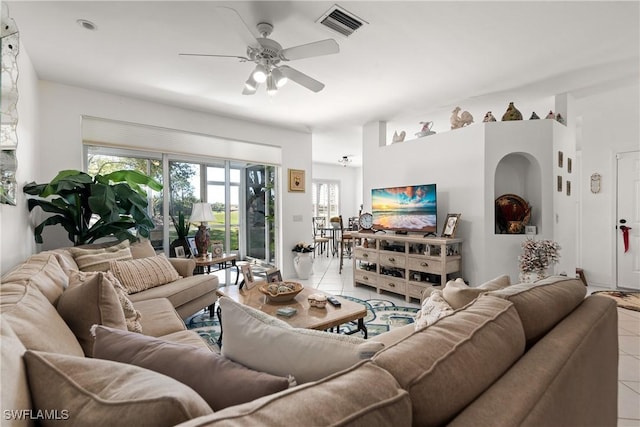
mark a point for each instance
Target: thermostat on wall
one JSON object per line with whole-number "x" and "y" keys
{"x": 530, "y": 229}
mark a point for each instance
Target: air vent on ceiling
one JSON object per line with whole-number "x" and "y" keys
{"x": 341, "y": 21}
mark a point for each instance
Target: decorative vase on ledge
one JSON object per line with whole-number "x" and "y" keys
{"x": 303, "y": 264}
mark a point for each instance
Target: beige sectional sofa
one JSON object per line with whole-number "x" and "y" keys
{"x": 530, "y": 355}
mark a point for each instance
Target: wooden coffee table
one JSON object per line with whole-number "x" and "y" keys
{"x": 307, "y": 317}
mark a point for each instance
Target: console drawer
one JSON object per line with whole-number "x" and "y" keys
{"x": 391, "y": 283}
{"x": 366, "y": 255}
{"x": 367, "y": 277}
{"x": 415, "y": 291}
{"x": 393, "y": 259}
{"x": 425, "y": 265}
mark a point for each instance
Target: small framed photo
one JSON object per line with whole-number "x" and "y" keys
{"x": 274, "y": 275}
{"x": 192, "y": 246}
{"x": 450, "y": 225}
{"x": 560, "y": 159}
{"x": 530, "y": 229}
{"x": 569, "y": 165}
{"x": 296, "y": 180}
{"x": 180, "y": 252}
{"x": 247, "y": 275}
{"x": 559, "y": 183}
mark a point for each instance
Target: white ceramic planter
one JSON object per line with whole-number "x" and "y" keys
{"x": 303, "y": 264}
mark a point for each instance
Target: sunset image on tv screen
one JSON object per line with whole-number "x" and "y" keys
{"x": 410, "y": 208}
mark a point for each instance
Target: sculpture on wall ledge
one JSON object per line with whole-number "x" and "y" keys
{"x": 534, "y": 116}
{"x": 398, "y": 137}
{"x": 560, "y": 119}
{"x": 458, "y": 121}
{"x": 512, "y": 113}
{"x": 489, "y": 117}
{"x": 550, "y": 115}
{"x": 426, "y": 129}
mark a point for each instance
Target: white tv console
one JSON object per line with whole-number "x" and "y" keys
{"x": 404, "y": 264}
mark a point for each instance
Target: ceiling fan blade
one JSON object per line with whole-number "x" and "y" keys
{"x": 319, "y": 48}
{"x": 231, "y": 15}
{"x": 241, "y": 58}
{"x": 301, "y": 78}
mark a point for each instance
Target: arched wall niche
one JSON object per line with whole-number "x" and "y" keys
{"x": 520, "y": 174}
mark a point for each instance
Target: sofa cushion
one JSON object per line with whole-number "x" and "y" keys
{"x": 98, "y": 258}
{"x": 190, "y": 338}
{"x": 90, "y": 299}
{"x": 458, "y": 294}
{"x": 219, "y": 381}
{"x": 144, "y": 273}
{"x": 103, "y": 393}
{"x": 448, "y": 364}
{"x": 306, "y": 354}
{"x": 159, "y": 317}
{"x": 44, "y": 272}
{"x": 181, "y": 291}
{"x": 541, "y": 305}
{"x": 142, "y": 249}
{"x": 432, "y": 309}
{"x": 35, "y": 321}
{"x": 363, "y": 395}
{"x": 14, "y": 393}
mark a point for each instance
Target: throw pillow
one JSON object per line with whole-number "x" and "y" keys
{"x": 97, "y": 259}
{"x": 219, "y": 381}
{"x": 131, "y": 315}
{"x": 499, "y": 282}
{"x": 93, "y": 392}
{"x": 265, "y": 343}
{"x": 142, "y": 249}
{"x": 90, "y": 299}
{"x": 433, "y": 308}
{"x": 144, "y": 273}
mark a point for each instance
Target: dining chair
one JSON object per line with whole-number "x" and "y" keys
{"x": 320, "y": 240}
{"x": 345, "y": 242}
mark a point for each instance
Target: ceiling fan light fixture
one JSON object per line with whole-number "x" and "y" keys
{"x": 260, "y": 73}
{"x": 271, "y": 85}
{"x": 280, "y": 79}
{"x": 251, "y": 83}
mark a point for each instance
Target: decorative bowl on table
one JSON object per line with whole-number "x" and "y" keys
{"x": 281, "y": 291}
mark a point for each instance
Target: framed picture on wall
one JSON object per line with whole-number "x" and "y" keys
{"x": 296, "y": 180}
{"x": 450, "y": 225}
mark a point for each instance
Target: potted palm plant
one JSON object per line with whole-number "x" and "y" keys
{"x": 182, "y": 229}
{"x": 90, "y": 208}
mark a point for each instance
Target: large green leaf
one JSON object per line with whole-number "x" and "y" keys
{"x": 114, "y": 204}
{"x": 135, "y": 179}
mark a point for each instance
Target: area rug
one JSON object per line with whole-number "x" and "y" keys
{"x": 382, "y": 316}
{"x": 625, "y": 299}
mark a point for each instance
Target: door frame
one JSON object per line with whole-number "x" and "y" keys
{"x": 616, "y": 216}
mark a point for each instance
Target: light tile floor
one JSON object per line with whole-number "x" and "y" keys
{"x": 325, "y": 277}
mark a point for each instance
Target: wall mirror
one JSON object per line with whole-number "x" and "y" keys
{"x": 9, "y": 50}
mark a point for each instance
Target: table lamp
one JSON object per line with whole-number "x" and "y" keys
{"x": 202, "y": 213}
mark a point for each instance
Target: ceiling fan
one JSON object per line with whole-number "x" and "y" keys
{"x": 268, "y": 55}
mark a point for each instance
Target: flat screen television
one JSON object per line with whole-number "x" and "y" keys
{"x": 405, "y": 209}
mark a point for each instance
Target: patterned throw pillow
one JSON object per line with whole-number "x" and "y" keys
{"x": 144, "y": 273}
{"x": 131, "y": 315}
{"x": 97, "y": 259}
{"x": 433, "y": 308}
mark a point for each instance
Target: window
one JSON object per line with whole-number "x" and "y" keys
{"x": 326, "y": 199}
{"x": 242, "y": 197}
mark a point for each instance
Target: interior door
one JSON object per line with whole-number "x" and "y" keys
{"x": 628, "y": 211}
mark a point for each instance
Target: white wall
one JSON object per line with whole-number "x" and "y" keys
{"x": 60, "y": 146}
{"x": 609, "y": 124}
{"x": 16, "y": 239}
{"x": 463, "y": 163}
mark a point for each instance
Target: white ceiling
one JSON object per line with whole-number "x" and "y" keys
{"x": 413, "y": 61}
